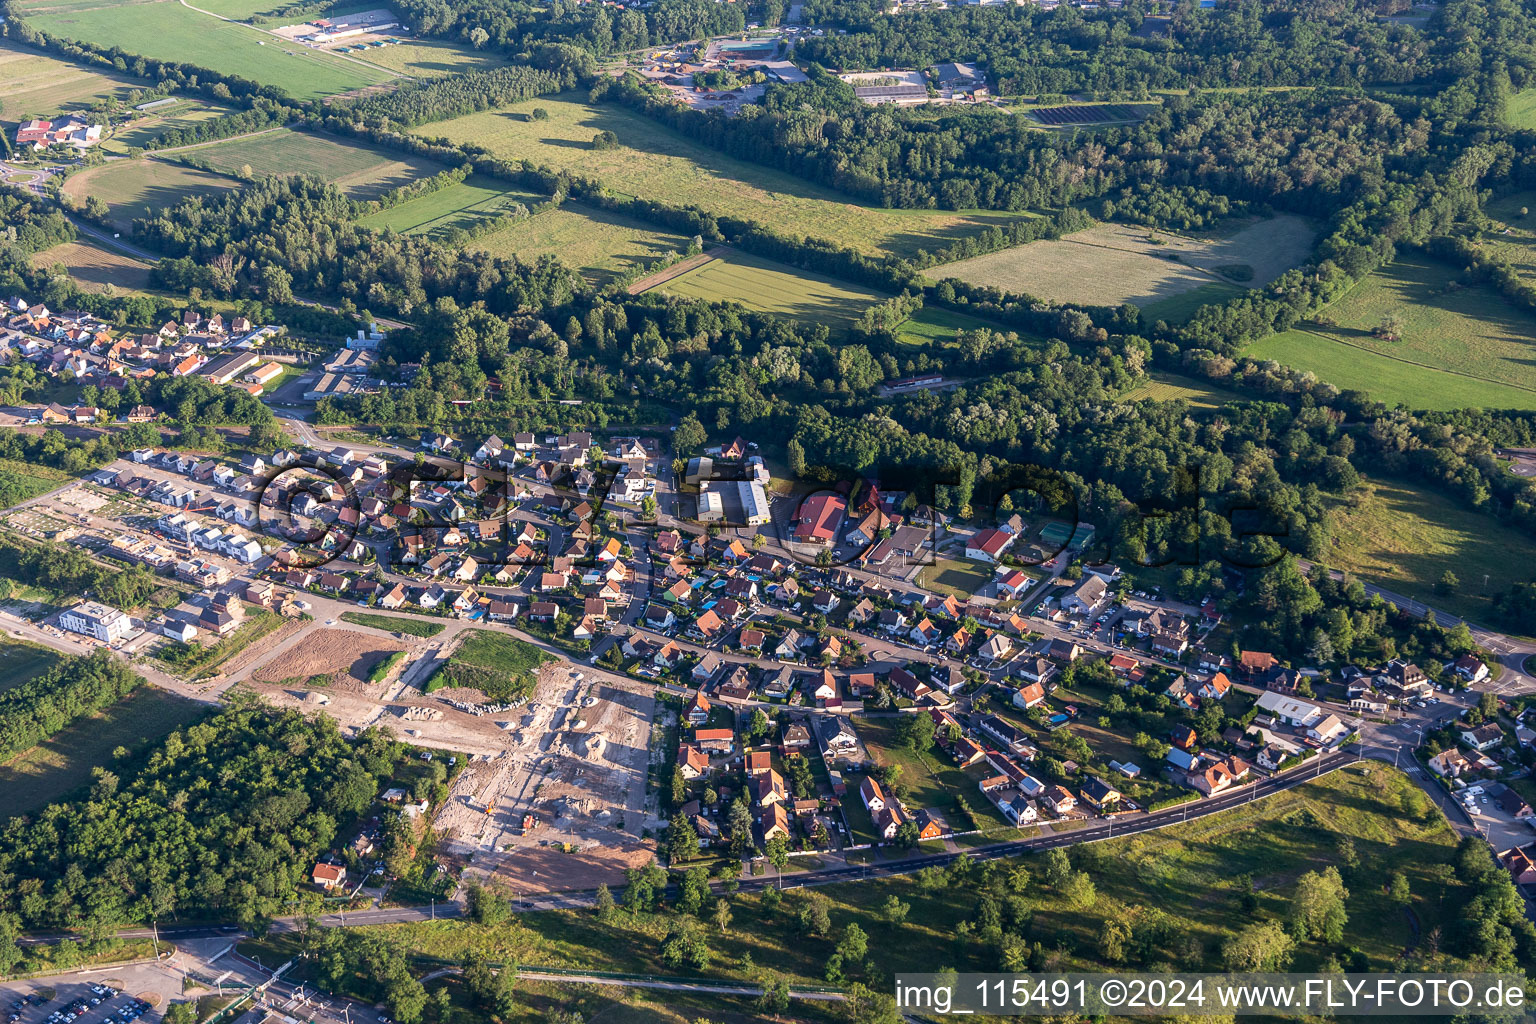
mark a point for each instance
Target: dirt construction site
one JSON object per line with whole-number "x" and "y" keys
{"x": 563, "y": 805}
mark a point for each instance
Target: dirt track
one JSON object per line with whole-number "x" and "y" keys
{"x": 678, "y": 269}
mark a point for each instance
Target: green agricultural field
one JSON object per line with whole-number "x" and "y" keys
{"x": 95, "y": 268}
{"x": 146, "y": 129}
{"x": 139, "y": 188}
{"x": 498, "y": 665}
{"x": 935, "y": 325}
{"x": 1110, "y": 264}
{"x": 38, "y": 85}
{"x": 463, "y": 206}
{"x": 168, "y": 30}
{"x": 1460, "y": 345}
{"x": 655, "y": 162}
{"x": 777, "y": 288}
{"x": 20, "y": 662}
{"x": 395, "y": 623}
{"x": 361, "y": 171}
{"x": 1405, "y": 538}
{"x": 63, "y": 763}
{"x": 600, "y": 244}
{"x": 1172, "y": 387}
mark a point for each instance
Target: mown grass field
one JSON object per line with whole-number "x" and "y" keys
{"x": 600, "y": 244}
{"x": 655, "y": 162}
{"x": 361, "y": 171}
{"x": 777, "y": 288}
{"x": 1171, "y": 387}
{"x": 20, "y": 662}
{"x": 960, "y": 577}
{"x": 1513, "y": 237}
{"x": 429, "y": 58}
{"x": 1110, "y": 264}
{"x": 63, "y": 763}
{"x": 183, "y": 114}
{"x": 463, "y": 206}
{"x": 1191, "y": 876}
{"x": 498, "y": 665}
{"x": 1405, "y": 538}
{"x": 1460, "y": 345}
{"x": 139, "y": 188}
{"x": 169, "y": 31}
{"x": 1520, "y": 111}
{"x": 95, "y": 268}
{"x": 395, "y": 623}
{"x": 934, "y": 325}
{"x": 35, "y": 84}
{"x": 1178, "y": 308}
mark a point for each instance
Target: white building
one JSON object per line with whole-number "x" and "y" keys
{"x": 97, "y": 620}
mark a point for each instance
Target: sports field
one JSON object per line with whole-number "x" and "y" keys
{"x": 655, "y": 162}
{"x": 1405, "y": 538}
{"x": 36, "y": 85}
{"x": 601, "y": 245}
{"x": 94, "y": 267}
{"x": 1110, "y": 264}
{"x": 63, "y": 763}
{"x": 167, "y": 30}
{"x": 777, "y": 288}
{"x": 1459, "y": 345}
{"x": 137, "y": 188}
{"x": 464, "y": 205}
{"x": 144, "y": 130}
{"x": 358, "y": 170}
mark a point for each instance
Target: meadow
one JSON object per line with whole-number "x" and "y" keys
{"x": 777, "y": 288}
{"x": 139, "y": 188}
{"x": 147, "y": 128}
{"x": 167, "y": 30}
{"x": 358, "y": 170}
{"x": 1460, "y": 345}
{"x": 1513, "y": 237}
{"x": 935, "y": 325}
{"x": 1520, "y": 110}
{"x": 63, "y": 763}
{"x": 1175, "y": 387}
{"x": 463, "y": 206}
{"x": 1404, "y": 538}
{"x": 1178, "y": 308}
{"x": 37, "y": 85}
{"x": 600, "y": 244}
{"x": 95, "y": 268}
{"x": 429, "y": 58}
{"x": 395, "y": 623}
{"x": 20, "y": 662}
{"x": 498, "y": 665}
{"x": 654, "y": 162}
{"x": 1110, "y": 264}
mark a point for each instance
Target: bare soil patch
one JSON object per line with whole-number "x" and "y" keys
{"x": 342, "y": 655}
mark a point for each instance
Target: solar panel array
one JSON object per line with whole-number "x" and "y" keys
{"x": 1083, "y": 114}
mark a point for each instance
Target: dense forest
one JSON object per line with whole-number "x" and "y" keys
{"x": 224, "y": 819}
